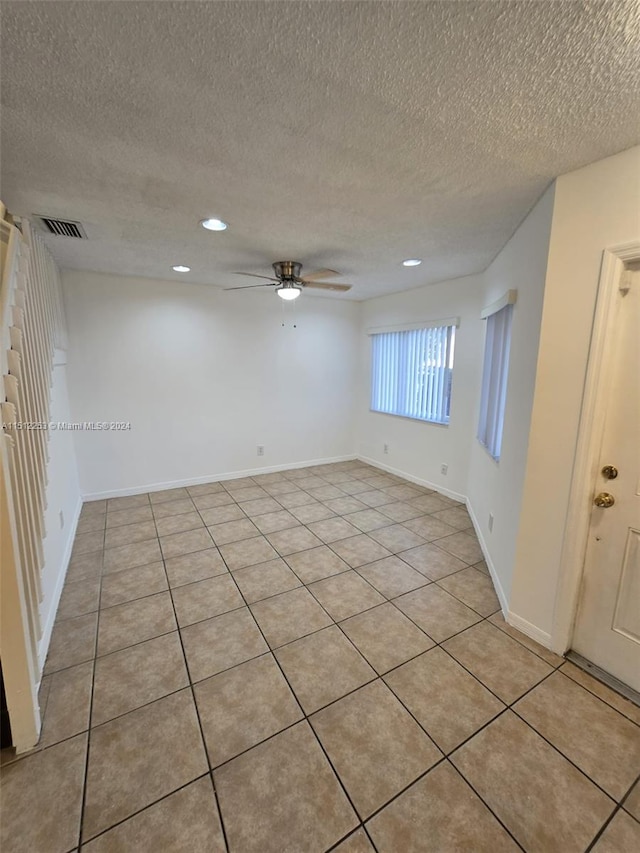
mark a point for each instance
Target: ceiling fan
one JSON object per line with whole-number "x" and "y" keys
{"x": 289, "y": 283}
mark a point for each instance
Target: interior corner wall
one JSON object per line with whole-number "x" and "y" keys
{"x": 204, "y": 377}
{"x": 595, "y": 208}
{"x": 417, "y": 449}
{"x": 495, "y": 488}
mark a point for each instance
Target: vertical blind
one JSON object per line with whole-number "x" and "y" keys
{"x": 411, "y": 373}
{"x": 494, "y": 379}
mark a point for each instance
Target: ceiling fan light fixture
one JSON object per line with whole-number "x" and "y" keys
{"x": 412, "y": 262}
{"x": 288, "y": 291}
{"x": 213, "y": 224}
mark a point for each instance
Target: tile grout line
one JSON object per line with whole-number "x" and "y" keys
{"x": 335, "y": 515}
{"x": 445, "y": 756}
{"x": 327, "y": 544}
{"x": 597, "y": 696}
{"x": 144, "y": 808}
{"x": 378, "y": 676}
{"x": 626, "y": 797}
{"x": 391, "y": 601}
{"x": 482, "y": 799}
{"x": 304, "y": 714}
{"x": 372, "y": 681}
{"x": 93, "y": 681}
{"x": 305, "y": 718}
{"x": 508, "y": 705}
{"x": 557, "y": 748}
{"x": 195, "y": 704}
{"x": 270, "y": 650}
{"x": 133, "y": 645}
{"x": 619, "y": 807}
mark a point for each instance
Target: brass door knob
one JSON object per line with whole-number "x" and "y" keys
{"x": 604, "y": 500}
{"x": 610, "y": 472}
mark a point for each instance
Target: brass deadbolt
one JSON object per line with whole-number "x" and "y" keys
{"x": 610, "y": 472}
{"x": 604, "y": 500}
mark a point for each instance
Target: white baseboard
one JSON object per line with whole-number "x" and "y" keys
{"x": 45, "y": 639}
{"x": 530, "y": 630}
{"x": 458, "y": 497}
{"x": 502, "y": 597}
{"x": 512, "y": 618}
{"x": 211, "y": 478}
{"x": 417, "y": 480}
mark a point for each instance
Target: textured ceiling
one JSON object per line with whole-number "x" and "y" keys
{"x": 341, "y": 134}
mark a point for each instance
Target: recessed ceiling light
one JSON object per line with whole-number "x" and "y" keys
{"x": 214, "y": 224}
{"x": 412, "y": 262}
{"x": 181, "y": 268}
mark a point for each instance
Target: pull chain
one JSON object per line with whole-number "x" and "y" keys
{"x": 291, "y": 306}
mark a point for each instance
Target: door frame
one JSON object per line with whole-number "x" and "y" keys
{"x": 589, "y": 442}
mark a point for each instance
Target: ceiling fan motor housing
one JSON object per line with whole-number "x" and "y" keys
{"x": 287, "y": 270}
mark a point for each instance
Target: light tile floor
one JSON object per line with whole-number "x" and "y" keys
{"x": 311, "y": 660}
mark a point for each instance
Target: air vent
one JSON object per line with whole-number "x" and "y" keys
{"x": 63, "y": 228}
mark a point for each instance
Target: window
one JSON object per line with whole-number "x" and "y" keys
{"x": 494, "y": 373}
{"x": 411, "y": 371}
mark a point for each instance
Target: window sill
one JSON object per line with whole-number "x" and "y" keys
{"x": 409, "y": 418}
{"x": 493, "y": 458}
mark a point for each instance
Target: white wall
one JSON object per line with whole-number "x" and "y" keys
{"x": 204, "y": 376}
{"x": 416, "y": 448}
{"x": 553, "y": 260}
{"x": 595, "y": 208}
{"x": 200, "y": 375}
{"x": 62, "y": 495}
{"x": 496, "y": 487}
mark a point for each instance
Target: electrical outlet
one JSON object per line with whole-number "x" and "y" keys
{"x": 490, "y": 522}
{"x": 261, "y": 450}
{"x": 385, "y": 448}
{"x": 444, "y": 468}
{"x": 61, "y": 519}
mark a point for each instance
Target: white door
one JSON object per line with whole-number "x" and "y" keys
{"x": 607, "y": 630}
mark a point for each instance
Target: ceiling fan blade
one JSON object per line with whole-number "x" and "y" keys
{"x": 316, "y": 274}
{"x": 247, "y": 286}
{"x": 327, "y": 285}
{"x": 253, "y": 275}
